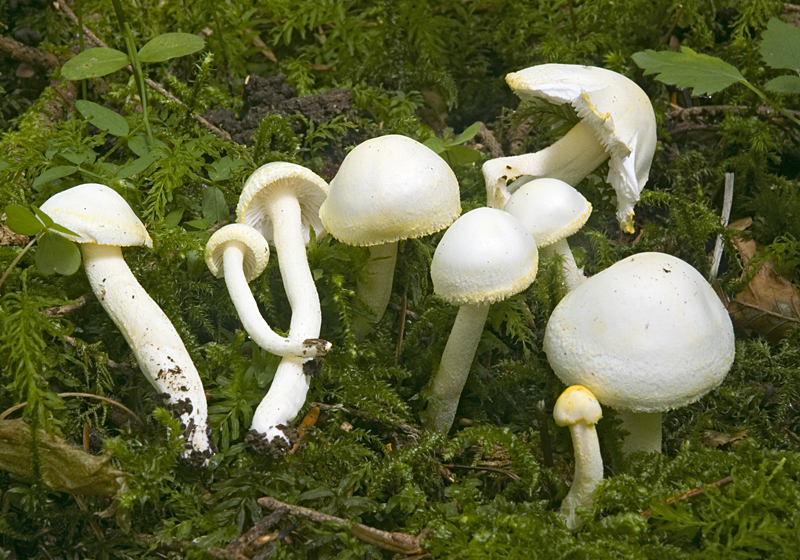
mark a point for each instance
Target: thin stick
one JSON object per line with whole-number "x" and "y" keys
{"x": 727, "y": 203}
{"x": 15, "y": 408}
{"x": 16, "y": 260}
{"x": 403, "y": 311}
{"x": 394, "y": 542}
{"x": 154, "y": 85}
{"x": 544, "y": 433}
{"x": 690, "y": 494}
{"x": 61, "y": 310}
{"x": 42, "y": 60}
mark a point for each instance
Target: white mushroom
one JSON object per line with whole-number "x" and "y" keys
{"x": 552, "y": 210}
{"x": 282, "y": 201}
{"x": 388, "y": 189}
{"x": 617, "y": 122}
{"x": 486, "y": 256}
{"x": 647, "y": 334}
{"x": 104, "y": 222}
{"x": 578, "y": 408}
{"x": 239, "y": 253}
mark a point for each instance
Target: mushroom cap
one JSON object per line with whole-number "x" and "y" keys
{"x": 256, "y": 255}
{"x": 577, "y": 404}
{"x": 486, "y": 255}
{"x": 98, "y": 214}
{"x": 390, "y": 188}
{"x": 310, "y": 188}
{"x": 647, "y": 334}
{"x": 550, "y": 208}
{"x": 617, "y": 111}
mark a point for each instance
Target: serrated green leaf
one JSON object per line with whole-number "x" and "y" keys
{"x": 94, "y": 63}
{"x": 57, "y": 254}
{"x": 215, "y": 209}
{"x": 170, "y": 45}
{"x": 688, "y": 69}
{"x": 54, "y": 173}
{"x": 784, "y": 84}
{"x": 21, "y": 220}
{"x": 104, "y": 119}
{"x": 780, "y": 45}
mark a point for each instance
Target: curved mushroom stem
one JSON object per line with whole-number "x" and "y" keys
{"x": 158, "y": 348}
{"x": 588, "y": 472}
{"x": 644, "y": 431}
{"x": 376, "y": 288}
{"x": 570, "y": 159}
{"x": 454, "y": 368}
{"x": 573, "y": 277}
{"x": 283, "y": 401}
{"x": 247, "y": 309}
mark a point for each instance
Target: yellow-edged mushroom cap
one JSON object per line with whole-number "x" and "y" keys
{"x": 256, "y": 255}
{"x": 577, "y": 404}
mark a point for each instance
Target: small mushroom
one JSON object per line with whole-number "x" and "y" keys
{"x": 578, "y": 408}
{"x": 552, "y": 210}
{"x": 239, "y": 253}
{"x": 104, "y": 222}
{"x": 486, "y": 256}
{"x": 645, "y": 335}
{"x": 388, "y": 189}
{"x": 617, "y": 122}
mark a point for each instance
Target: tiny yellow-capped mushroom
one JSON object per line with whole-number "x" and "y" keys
{"x": 577, "y": 404}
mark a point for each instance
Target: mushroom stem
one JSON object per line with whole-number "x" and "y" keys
{"x": 644, "y": 431}
{"x": 573, "y": 277}
{"x": 247, "y": 309}
{"x": 284, "y": 211}
{"x": 454, "y": 368}
{"x": 156, "y": 344}
{"x": 588, "y": 472}
{"x": 570, "y": 159}
{"x": 285, "y": 398}
{"x": 376, "y": 287}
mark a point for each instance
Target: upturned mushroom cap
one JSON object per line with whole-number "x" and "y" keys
{"x": 617, "y": 111}
{"x": 98, "y": 214}
{"x": 309, "y": 187}
{"x": 486, "y": 255}
{"x": 577, "y": 404}
{"x": 390, "y": 188}
{"x": 550, "y": 209}
{"x": 647, "y": 334}
{"x": 256, "y": 256}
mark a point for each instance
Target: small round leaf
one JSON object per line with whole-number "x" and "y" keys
{"x": 21, "y": 220}
{"x": 57, "y": 254}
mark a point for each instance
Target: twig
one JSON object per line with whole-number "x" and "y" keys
{"x": 394, "y": 542}
{"x": 483, "y": 468}
{"x": 690, "y": 494}
{"x": 727, "y": 202}
{"x": 16, "y": 407}
{"x": 490, "y": 142}
{"x": 245, "y": 546}
{"x": 31, "y": 56}
{"x": 61, "y": 310}
{"x": 154, "y": 85}
{"x": 402, "y": 330}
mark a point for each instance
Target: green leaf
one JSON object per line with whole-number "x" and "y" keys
{"x": 170, "y": 45}
{"x": 4, "y": 164}
{"x": 104, "y": 119}
{"x": 57, "y": 254}
{"x": 137, "y": 166}
{"x": 54, "y": 173}
{"x": 21, "y": 220}
{"x": 459, "y": 155}
{"x": 138, "y": 145}
{"x": 435, "y": 144}
{"x": 93, "y": 63}
{"x": 780, "y": 45}
{"x": 468, "y": 134}
{"x": 223, "y": 168}
{"x": 215, "y": 209}
{"x": 45, "y": 219}
{"x": 784, "y": 84}
{"x": 173, "y": 218}
{"x": 688, "y": 69}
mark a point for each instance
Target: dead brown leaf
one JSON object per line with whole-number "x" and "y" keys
{"x": 769, "y": 305}
{"x": 712, "y": 438}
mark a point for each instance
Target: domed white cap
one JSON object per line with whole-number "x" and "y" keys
{"x": 310, "y": 188}
{"x": 550, "y": 209}
{"x": 617, "y": 111}
{"x": 98, "y": 214}
{"x": 390, "y": 188}
{"x": 256, "y": 255}
{"x": 647, "y": 334}
{"x": 486, "y": 255}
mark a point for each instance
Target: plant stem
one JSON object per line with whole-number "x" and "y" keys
{"x": 771, "y": 103}
{"x": 16, "y": 260}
